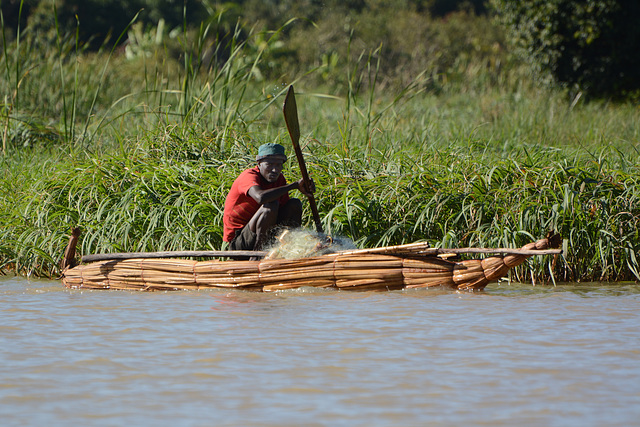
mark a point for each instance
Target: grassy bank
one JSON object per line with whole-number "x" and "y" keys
{"x": 140, "y": 152}
{"x": 167, "y": 194}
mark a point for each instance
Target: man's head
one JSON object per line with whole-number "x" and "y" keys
{"x": 270, "y": 159}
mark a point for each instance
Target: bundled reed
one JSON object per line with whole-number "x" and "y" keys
{"x": 396, "y": 267}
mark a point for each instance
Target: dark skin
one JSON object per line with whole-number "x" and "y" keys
{"x": 270, "y": 212}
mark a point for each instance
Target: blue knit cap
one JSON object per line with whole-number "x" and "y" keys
{"x": 271, "y": 149}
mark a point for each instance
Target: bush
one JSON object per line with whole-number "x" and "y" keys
{"x": 105, "y": 20}
{"x": 403, "y": 46}
{"x": 589, "y": 46}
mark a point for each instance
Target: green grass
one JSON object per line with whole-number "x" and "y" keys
{"x": 141, "y": 156}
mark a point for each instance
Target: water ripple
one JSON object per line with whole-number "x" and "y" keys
{"x": 513, "y": 355}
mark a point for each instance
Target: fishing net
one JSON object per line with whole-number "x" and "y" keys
{"x": 301, "y": 243}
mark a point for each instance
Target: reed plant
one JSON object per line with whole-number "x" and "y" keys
{"x": 464, "y": 165}
{"x": 146, "y": 201}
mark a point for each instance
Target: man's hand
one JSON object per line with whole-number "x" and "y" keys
{"x": 303, "y": 188}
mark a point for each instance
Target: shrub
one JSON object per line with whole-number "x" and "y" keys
{"x": 102, "y": 20}
{"x": 587, "y": 45}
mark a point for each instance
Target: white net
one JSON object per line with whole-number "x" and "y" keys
{"x": 301, "y": 243}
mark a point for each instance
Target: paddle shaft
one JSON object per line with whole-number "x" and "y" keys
{"x": 305, "y": 177}
{"x": 290, "y": 110}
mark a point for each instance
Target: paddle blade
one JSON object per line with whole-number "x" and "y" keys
{"x": 290, "y": 110}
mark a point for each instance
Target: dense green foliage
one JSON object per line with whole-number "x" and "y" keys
{"x": 400, "y": 36}
{"x": 139, "y": 144}
{"x": 590, "y": 45}
{"x": 99, "y": 18}
{"x": 102, "y": 17}
{"x": 170, "y": 196}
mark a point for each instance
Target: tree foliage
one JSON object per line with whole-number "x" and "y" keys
{"x": 99, "y": 20}
{"x": 588, "y": 45}
{"x": 399, "y": 41}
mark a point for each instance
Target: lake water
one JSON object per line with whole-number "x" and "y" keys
{"x": 514, "y": 355}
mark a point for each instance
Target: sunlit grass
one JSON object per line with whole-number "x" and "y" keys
{"x": 147, "y": 167}
{"x": 147, "y": 201}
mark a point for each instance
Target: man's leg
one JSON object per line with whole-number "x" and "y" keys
{"x": 290, "y": 214}
{"x": 262, "y": 221}
{"x": 271, "y": 214}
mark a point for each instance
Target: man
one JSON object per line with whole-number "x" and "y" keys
{"x": 259, "y": 200}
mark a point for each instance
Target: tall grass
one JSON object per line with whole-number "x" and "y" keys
{"x": 461, "y": 166}
{"x": 145, "y": 201}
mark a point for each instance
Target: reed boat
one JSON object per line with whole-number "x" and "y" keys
{"x": 413, "y": 265}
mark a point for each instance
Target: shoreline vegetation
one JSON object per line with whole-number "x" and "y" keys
{"x": 138, "y": 143}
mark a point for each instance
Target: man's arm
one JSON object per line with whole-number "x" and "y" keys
{"x": 265, "y": 196}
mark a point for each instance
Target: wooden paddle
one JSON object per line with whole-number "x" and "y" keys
{"x": 290, "y": 110}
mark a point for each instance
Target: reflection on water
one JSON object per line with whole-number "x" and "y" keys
{"x": 512, "y": 355}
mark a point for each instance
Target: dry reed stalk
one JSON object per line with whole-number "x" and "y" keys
{"x": 494, "y": 268}
{"x": 366, "y": 257}
{"x": 229, "y": 275}
{"x": 145, "y": 284}
{"x": 229, "y": 282}
{"x": 71, "y": 283}
{"x": 313, "y": 272}
{"x": 271, "y": 264}
{"x": 320, "y": 269}
{"x": 468, "y": 271}
{"x": 214, "y": 283}
{"x": 232, "y": 267}
{"x": 116, "y": 284}
{"x": 508, "y": 251}
{"x": 309, "y": 283}
{"x": 368, "y": 264}
{"x": 421, "y": 274}
{"x": 170, "y": 265}
{"x": 94, "y": 266}
{"x": 150, "y": 276}
{"x": 408, "y": 248}
{"x": 218, "y": 285}
{"x": 428, "y": 282}
{"x": 156, "y": 288}
{"x": 382, "y": 274}
{"x": 114, "y": 279}
{"x": 292, "y": 277}
{"x": 370, "y": 285}
{"x": 428, "y": 263}
{"x": 514, "y": 260}
{"x": 236, "y": 278}
{"x": 344, "y": 283}
{"x": 217, "y": 264}
{"x": 479, "y": 283}
{"x": 173, "y": 281}
{"x": 132, "y": 280}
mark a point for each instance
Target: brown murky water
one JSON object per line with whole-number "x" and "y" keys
{"x": 513, "y": 355}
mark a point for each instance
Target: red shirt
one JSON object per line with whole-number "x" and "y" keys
{"x": 239, "y": 207}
